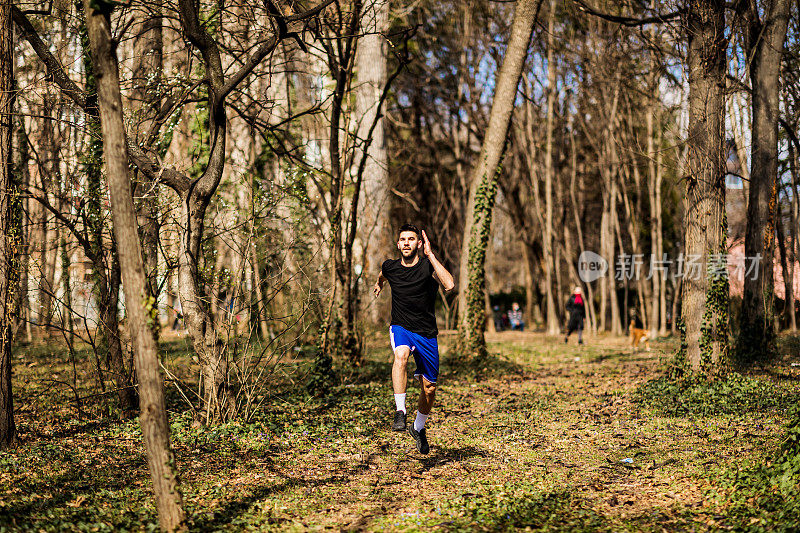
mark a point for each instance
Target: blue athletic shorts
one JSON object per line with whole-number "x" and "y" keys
{"x": 425, "y": 350}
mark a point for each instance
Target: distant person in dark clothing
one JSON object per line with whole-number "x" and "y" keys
{"x": 515, "y": 317}
{"x": 577, "y": 312}
{"x": 498, "y": 318}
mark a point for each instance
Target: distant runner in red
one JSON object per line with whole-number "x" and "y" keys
{"x": 414, "y": 280}
{"x": 577, "y": 312}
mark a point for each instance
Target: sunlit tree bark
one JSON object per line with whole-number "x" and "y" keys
{"x": 153, "y": 417}
{"x": 705, "y": 291}
{"x": 483, "y": 184}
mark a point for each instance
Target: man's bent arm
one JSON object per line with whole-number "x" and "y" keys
{"x": 376, "y": 290}
{"x": 441, "y": 273}
{"x": 444, "y": 277}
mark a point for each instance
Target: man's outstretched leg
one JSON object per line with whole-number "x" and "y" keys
{"x": 417, "y": 430}
{"x": 399, "y": 383}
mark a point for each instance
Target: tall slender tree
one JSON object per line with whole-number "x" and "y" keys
{"x": 9, "y": 229}
{"x": 147, "y": 67}
{"x": 549, "y": 178}
{"x": 153, "y": 417}
{"x": 483, "y": 181}
{"x": 371, "y": 71}
{"x": 765, "y": 30}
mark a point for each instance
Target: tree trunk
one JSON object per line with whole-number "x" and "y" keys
{"x": 155, "y": 426}
{"x": 375, "y": 233}
{"x": 66, "y": 316}
{"x": 787, "y": 280}
{"x": 632, "y": 216}
{"x": 23, "y": 297}
{"x": 662, "y": 329}
{"x": 49, "y": 232}
{"x": 616, "y": 324}
{"x": 147, "y": 53}
{"x": 549, "y": 257}
{"x": 655, "y": 208}
{"x": 677, "y": 288}
{"x": 608, "y": 153}
{"x": 765, "y": 42}
{"x": 105, "y": 261}
{"x": 9, "y": 268}
{"x": 531, "y": 273}
{"x": 591, "y": 317}
{"x": 741, "y": 122}
{"x": 109, "y": 321}
{"x": 795, "y": 209}
{"x": 483, "y": 184}
{"x": 199, "y": 319}
{"x": 341, "y": 323}
{"x": 705, "y": 296}
{"x": 605, "y": 223}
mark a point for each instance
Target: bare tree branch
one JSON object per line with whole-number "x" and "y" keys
{"x": 268, "y": 46}
{"x": 629, "y": 21}
{"x": 310, "y": 12}
{"x": 69, "y": 222}
{"x": 147, "y": 166}
{"x": 55, "y": 71}
{"x": 252, "y": 62}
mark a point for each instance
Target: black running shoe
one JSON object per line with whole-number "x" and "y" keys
{"x": 421, "y": 438}
{"x": 399, "y": 423}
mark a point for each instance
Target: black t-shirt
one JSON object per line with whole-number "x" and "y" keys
{"x": 413, "y": 295}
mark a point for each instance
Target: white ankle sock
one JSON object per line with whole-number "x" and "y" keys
{"x": 400, "y": 402}
{"x": 419, "y": 422}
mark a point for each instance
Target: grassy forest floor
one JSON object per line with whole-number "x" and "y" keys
{"x": 547, "y": 436}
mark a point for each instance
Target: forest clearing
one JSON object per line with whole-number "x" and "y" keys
{"x": 548, "y": 436}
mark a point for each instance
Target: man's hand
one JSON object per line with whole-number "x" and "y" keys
{"x": 426, "y": 245}
{"x": 376, "y": 290}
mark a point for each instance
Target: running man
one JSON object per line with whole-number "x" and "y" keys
{"x": 414, "y": 280}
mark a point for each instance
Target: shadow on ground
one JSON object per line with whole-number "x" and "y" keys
{"x": 443, "y": 456}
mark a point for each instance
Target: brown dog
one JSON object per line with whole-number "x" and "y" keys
{"x": 639, "y": 335}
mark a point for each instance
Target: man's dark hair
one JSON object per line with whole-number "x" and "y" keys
{"x": 410, "y": 227}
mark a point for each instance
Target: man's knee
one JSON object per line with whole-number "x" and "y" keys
{"x": 428, "y": 388}
{"x": 401, "y": 355}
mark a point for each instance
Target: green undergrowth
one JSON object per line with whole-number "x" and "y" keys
{"x": 733, "y": 394}
{"x": 759, "y": 494}
{"x": 765, "y": 496}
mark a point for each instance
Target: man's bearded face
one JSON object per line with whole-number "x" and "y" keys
{"x": 408, "y": 244}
